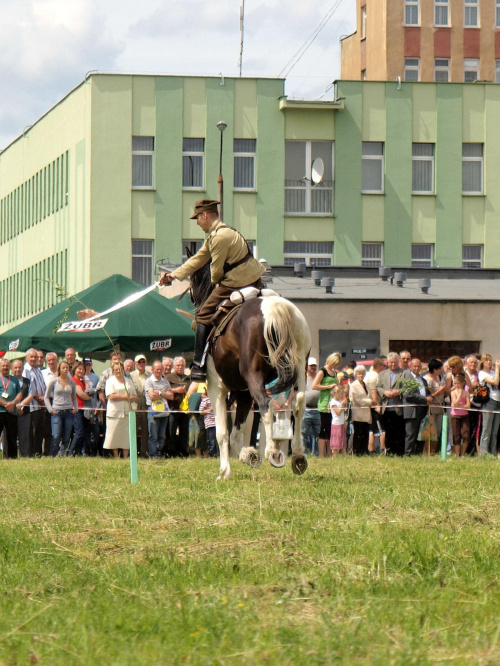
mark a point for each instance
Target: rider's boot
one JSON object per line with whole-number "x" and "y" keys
{"x": 198, "y": 370}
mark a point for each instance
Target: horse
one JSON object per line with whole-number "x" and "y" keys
{"x": 267, "y": 339}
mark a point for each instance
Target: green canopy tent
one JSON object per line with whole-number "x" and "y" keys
{"x": 150, "y": 325}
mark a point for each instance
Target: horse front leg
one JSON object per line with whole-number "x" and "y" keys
{"x": 299, "y": 461}
{"x": 273, "y": 453}
{"x": 217, "y": 393}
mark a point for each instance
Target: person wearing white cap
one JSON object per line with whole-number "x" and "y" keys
{"x": 139, "y": 376}
{"x": 312, "y": 421}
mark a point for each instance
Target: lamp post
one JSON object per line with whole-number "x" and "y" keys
{"x": 221, "y": 126}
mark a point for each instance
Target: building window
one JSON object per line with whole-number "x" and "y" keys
{"x": 497, "y": 71}
{"x": 142, "y": 162}
{"x": 441, "y": 12}
{"x": 472, "y": 168}
{"x": 497, "y": 14}
{"x": 422, "y": 168}
{"x": 244, "y": 164}
{"x": 471, "y": 14}
{"x": 422, "y": 255}
{"x": 192, "y": 245}
{"x": 312, "y": 253}
{"x": 412, "y": 69}
{"x": 372, "y": 177}
{"x": 371, "y": 254}
{"x": 471, "y": 70}
{"x": 193, "y": 155}
{"x": 442, "y": 70}
{"x": 309, "y": 177}
{"x": 142, "y": 261}
{"x": 472, "y": 256}
{"x": 363, "y": 74}
{"x": 363, "y": 22}
{"x": 411, "y": 12}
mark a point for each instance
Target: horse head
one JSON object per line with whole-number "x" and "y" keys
{"x": 201, "y": 284}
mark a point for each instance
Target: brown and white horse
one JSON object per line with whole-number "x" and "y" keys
{"x": 267, "y": 339}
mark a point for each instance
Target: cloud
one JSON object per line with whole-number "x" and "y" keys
{"x": 46, "y": 47}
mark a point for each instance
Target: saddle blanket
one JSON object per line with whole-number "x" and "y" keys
{"x": 247, "y": 293}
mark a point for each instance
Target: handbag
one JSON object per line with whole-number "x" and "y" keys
{"x": 159, "y": 407}
{"x": 282, "y": 428}
{"x": 481, "y": 395}
{"x": 184, "y": 406}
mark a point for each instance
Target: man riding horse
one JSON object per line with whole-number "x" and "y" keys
{"x": 233, "y": 267}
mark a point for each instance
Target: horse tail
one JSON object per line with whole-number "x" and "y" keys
{"x": 280, "y": 334}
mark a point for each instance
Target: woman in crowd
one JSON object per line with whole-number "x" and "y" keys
{"x": 490, "y": 378}
{"x": 361, "y": 401}
{"x": 438, "y": 389}
{"x": 121, "y": 396}
{"x": 60, "y": 399}
{"x": 323, "y": 383}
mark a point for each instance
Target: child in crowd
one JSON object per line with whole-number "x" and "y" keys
{"x": 207, "y": 411}
{"x": 338, "y": 408}
{"x": 460, "y": 403}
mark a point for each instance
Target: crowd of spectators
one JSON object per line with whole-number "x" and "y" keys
{"x": 62, "y": 407}
{"x": 397, "y": 407}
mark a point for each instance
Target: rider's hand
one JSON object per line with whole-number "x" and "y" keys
{"x": 167, "y": 279}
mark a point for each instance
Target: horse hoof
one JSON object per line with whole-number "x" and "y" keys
{"x": 299, "y": 464}
{"x": 254, "y": 459}
{"x": 277, "y": 459}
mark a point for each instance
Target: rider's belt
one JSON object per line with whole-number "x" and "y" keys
{"x": 229, "y": 267}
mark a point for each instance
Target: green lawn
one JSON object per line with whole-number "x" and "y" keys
{"x": 359, "y": 561}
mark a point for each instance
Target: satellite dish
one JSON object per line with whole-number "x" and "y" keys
{"x": 317, "y": 171}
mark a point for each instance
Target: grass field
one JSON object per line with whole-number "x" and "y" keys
{"x": 360, "y": 561}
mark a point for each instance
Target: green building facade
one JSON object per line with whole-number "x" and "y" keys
{"x": 396, "y": 174}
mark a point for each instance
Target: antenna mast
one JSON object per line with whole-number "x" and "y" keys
{"x": 242, "y": 24}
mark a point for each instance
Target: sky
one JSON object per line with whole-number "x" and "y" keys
{"x": 47, "y": 46}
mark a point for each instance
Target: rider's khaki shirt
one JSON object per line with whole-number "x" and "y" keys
{"x": 224, "y": 246}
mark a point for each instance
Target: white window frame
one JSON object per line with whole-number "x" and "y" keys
{"x": 472, "y": 262}
{"x": 471, "y": 13}
{"x": 189, "y": 154}
{"x": 475, "y": 159}
{"x": 372, "y": 255}
{"x": 442, "y": 68}
{"x": 413, "y": 66}
{"x": 425, "y": 261}
{"x": 409, "y": 13}
{"x": 307, "y": 185}
{"x": 311, "y": 253}
{"x": 239, "y": 154}
{"x": 363, "y": 22}
{"x": 471, "y": 66}
{"x": 136, "y": 152}
{"x": 145, "y": 256}
{"x": 377, "y": 157}
{"x": 423, "y": 158}
{"x": 441, "y": 8}
{"x": 497, "y": 71}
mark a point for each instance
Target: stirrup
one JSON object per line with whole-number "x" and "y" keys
{"x": 198, "y": 374}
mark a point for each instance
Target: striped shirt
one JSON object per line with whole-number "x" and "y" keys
{"x": 37, "y": 385}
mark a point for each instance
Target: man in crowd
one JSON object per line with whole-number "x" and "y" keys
{"x": 404, "y": 360}
{"x": 178, "y": 421}
{"x": 129, "y": 365}
{"x": 391, "y": 411}
{"x": 40, "y": 359}
{"x": 10, "y": 396}
{"x": 139, "y": 376}
{"x": 70, "y": 356}
{"x": 31, "y": 424}
{"x": 311, "y": 424}
{"x": 232, "y": 267}
{"x": 415, "y": 405}
{"x": 168, "y": 364}
{"x": 157, "y": 392}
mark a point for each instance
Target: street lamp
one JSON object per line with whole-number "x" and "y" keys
{"x": 221, "y": 126}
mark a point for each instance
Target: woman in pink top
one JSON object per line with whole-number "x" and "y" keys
{"x": 460, "y": 404}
